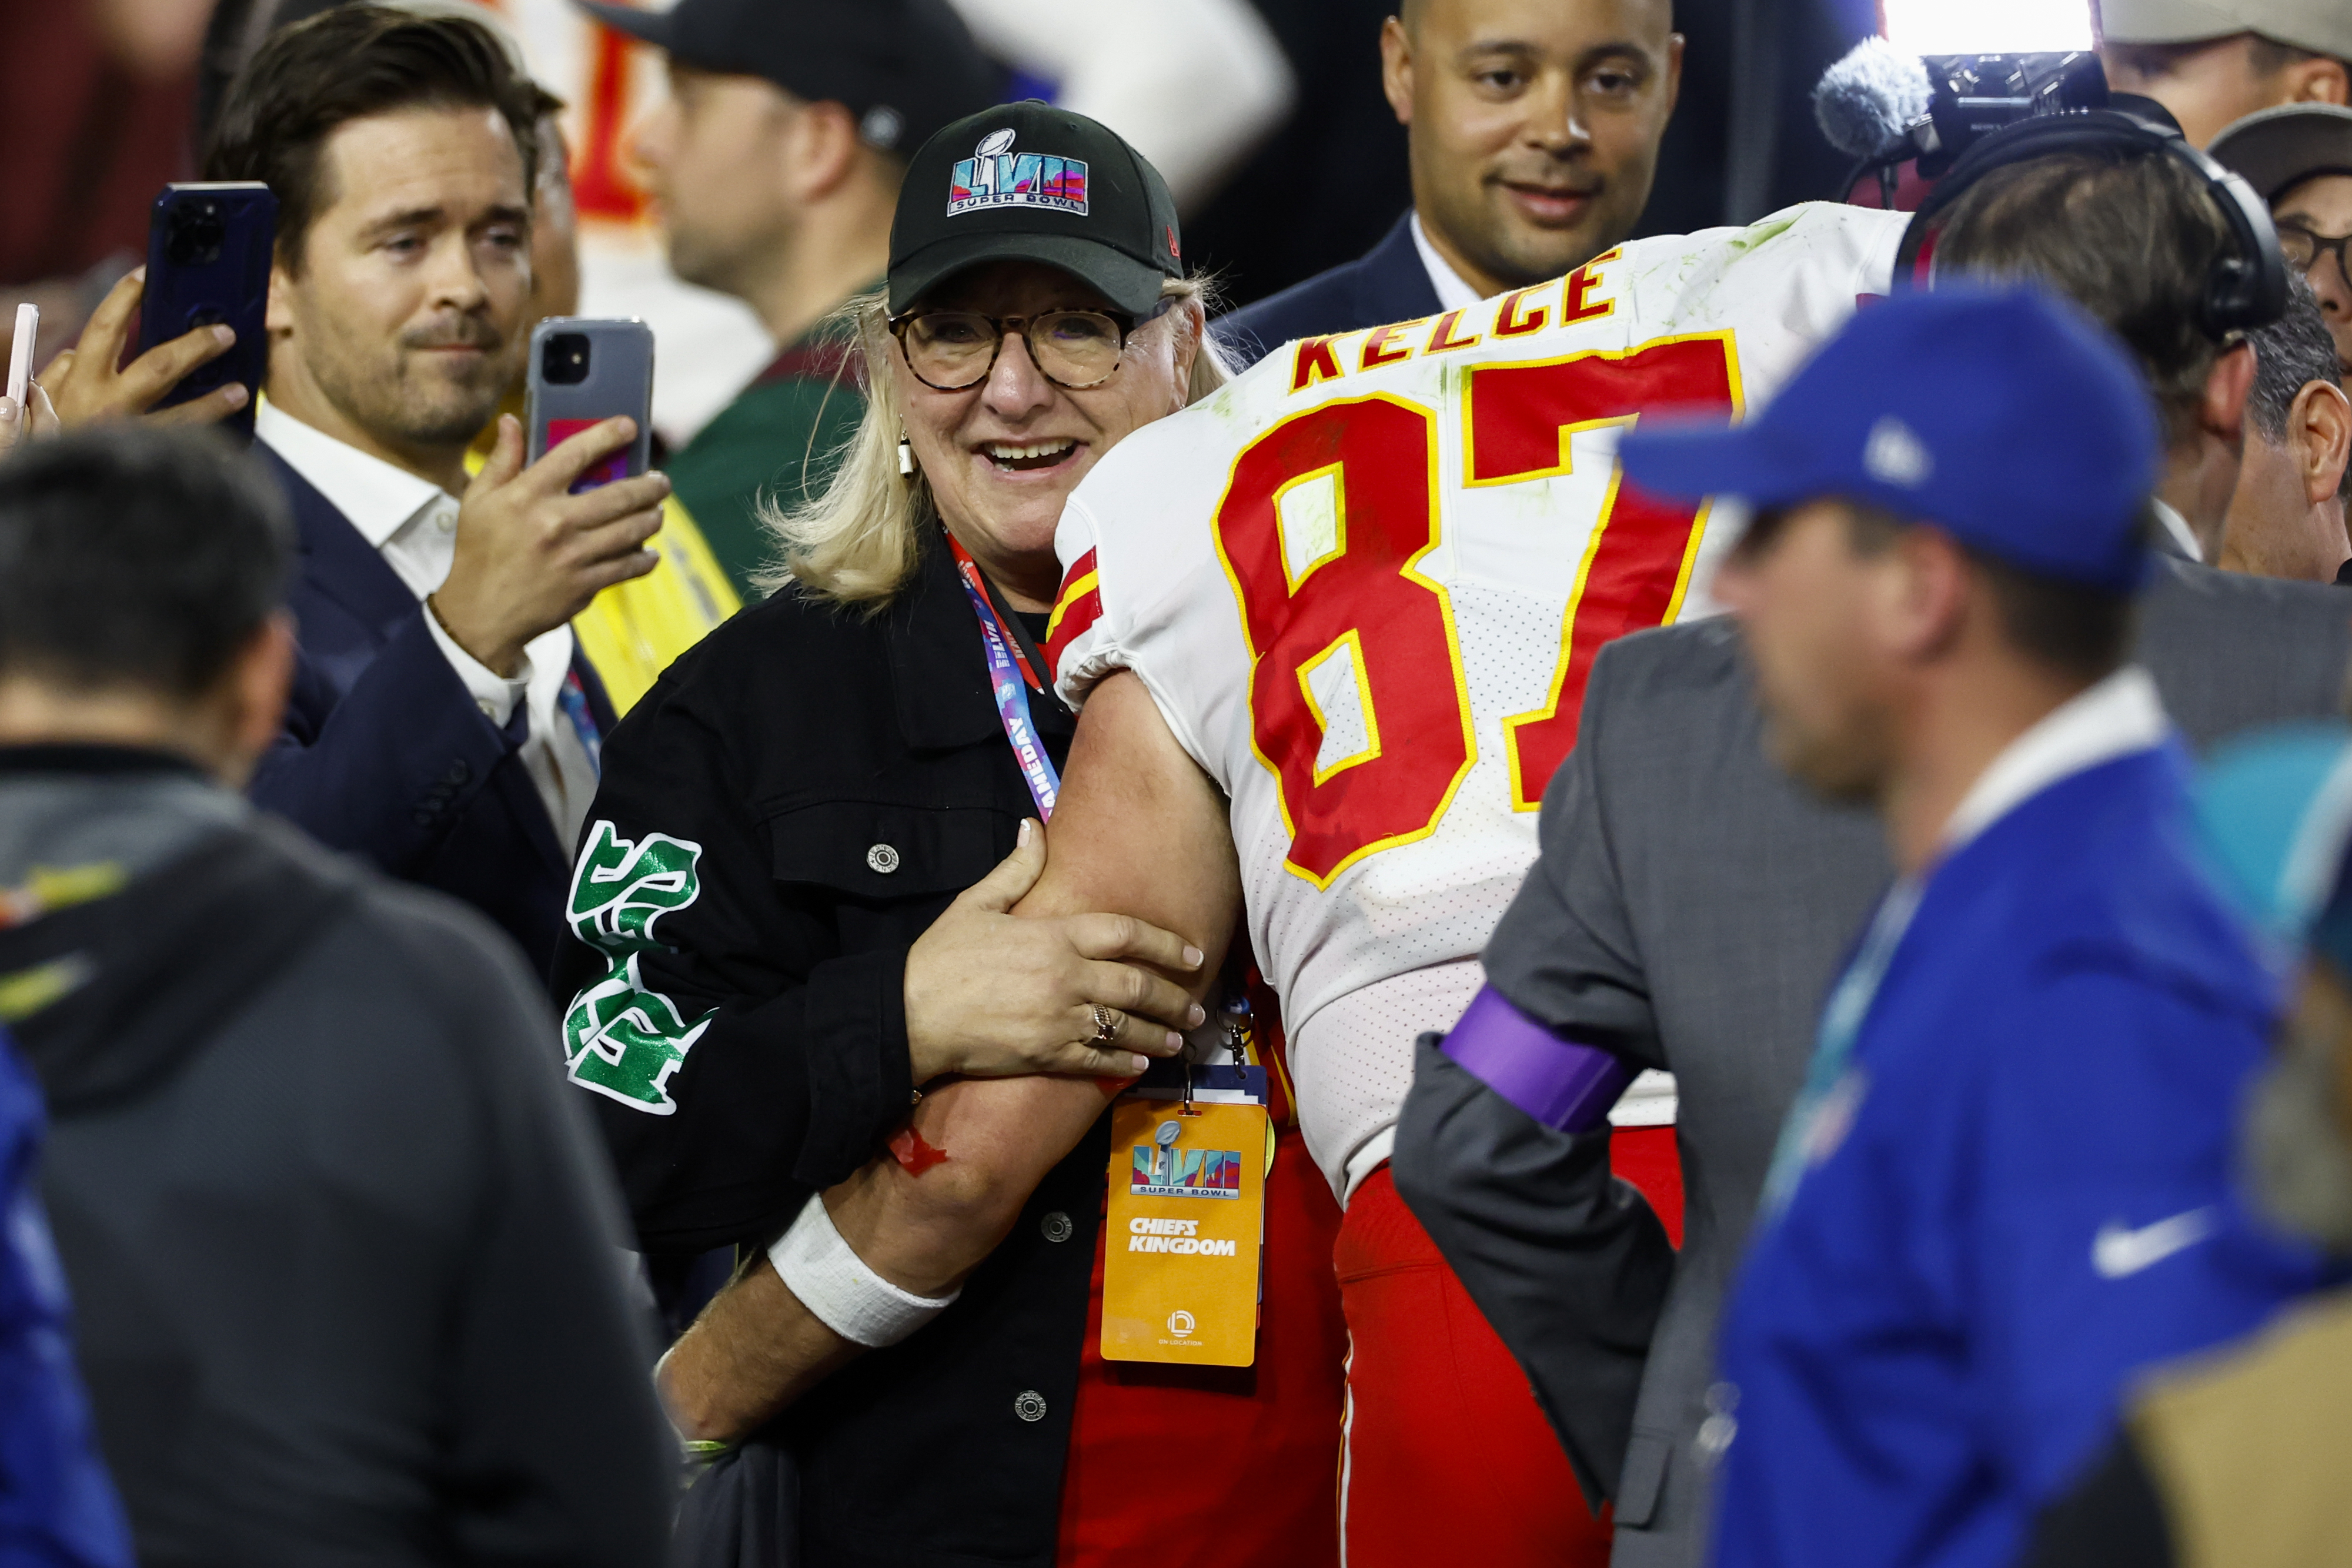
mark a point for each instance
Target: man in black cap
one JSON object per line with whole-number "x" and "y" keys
{"x": 2298, "y": 158}
{"x": 775, "y": 162}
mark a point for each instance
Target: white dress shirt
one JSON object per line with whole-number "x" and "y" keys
{"x": 412, "y": 524}
{"x": 2177, "y": 528}
{"x": 1454, "y": 292}
{"x": 2120, "y": 714}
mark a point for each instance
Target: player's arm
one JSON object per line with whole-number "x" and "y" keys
{"x": 1139, "y": 832}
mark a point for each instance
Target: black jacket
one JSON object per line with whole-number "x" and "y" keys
{"x": 1387, "y": 283}
{"x": 792, "y": 804}
{"x": 384, "y": 754}
{"x": 341, "y": 1254}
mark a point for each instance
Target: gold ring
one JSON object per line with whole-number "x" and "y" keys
{"x": 1106, "y": 1027}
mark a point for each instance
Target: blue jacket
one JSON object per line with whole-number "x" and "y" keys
{"x": 1932, "y": 1338}
{"x": 57, "y": 1506}
{"x": 384, "y": 754}
{"x": 1387, "y": 283}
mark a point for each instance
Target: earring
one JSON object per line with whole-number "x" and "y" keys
{"x": 906, "y": 454}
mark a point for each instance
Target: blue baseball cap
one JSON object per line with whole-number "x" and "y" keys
{"x": 2005, "y": 418}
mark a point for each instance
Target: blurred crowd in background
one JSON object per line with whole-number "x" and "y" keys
{"x": 1266, "y": 117}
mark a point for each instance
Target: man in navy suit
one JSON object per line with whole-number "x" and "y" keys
{"x": 443, "y": 724}
{"x": 1533, "y": 129}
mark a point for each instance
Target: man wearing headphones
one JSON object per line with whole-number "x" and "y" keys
{"x": 1690, "y": 909}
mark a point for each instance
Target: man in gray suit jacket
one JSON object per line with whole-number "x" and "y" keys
{"x": 1691, "y": 908}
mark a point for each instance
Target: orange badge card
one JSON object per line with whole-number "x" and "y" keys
{"x": 1187, "y": 1217}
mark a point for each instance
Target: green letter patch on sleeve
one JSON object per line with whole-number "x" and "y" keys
{"x": 620, "y": 1039}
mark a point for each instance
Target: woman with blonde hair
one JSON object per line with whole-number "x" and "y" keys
{"x": 791, "y": 914}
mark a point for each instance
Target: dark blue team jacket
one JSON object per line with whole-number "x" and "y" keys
{"x": 1931, "y": 1339}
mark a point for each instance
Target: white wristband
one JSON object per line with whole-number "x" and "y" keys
{"x": 834, "y": 1282}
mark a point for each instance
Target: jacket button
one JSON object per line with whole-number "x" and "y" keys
{"x": 1030, "y": 1406}
{"x": 459, "y": 772}
{"x": 1056, "y": 1226}
{"x": 885, "y": 859}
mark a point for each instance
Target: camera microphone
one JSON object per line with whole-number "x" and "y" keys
{"x": 1881, "y": 107}
{"x": 1866, "y": 102}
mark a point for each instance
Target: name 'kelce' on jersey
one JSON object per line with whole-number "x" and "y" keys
{"x": 1364, "y": 582}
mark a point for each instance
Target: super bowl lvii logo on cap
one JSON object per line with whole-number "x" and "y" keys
{"x": 996, "y": 176}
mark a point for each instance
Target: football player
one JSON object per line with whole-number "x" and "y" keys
{"x": 1330, "y": 629}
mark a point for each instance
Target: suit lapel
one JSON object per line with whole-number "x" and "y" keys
{"x": 1391, "y": 285}
{"x": 336, "y": 562}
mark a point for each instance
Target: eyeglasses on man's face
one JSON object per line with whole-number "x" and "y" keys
{"x": 953, "y": 350}
{"x": 2303, "y": 248}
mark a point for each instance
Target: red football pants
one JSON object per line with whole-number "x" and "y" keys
{"x": 1645, "y": 1157}
{"x": 1215, "y": 1467}
{"x": 1448, "y": 1458}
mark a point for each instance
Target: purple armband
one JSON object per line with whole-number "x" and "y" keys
{"x": 1567, "y": 1086}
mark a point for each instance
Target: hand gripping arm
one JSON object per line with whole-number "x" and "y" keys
{"x": 1139, "y": 830}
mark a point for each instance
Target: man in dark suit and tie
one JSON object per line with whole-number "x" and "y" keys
{"x": 444, "y": 724}
{"x": 1691, "y": 907}
{"x": 1534, "y": 134}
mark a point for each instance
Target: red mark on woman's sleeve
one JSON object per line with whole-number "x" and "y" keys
{"x": 911, "y": 1151}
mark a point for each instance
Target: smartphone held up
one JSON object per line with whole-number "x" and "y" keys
{"x": 208, "y": 255}
{"x": 585, "y": 369}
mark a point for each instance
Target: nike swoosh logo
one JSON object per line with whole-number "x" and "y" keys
{"x": 2118, "y": 1251}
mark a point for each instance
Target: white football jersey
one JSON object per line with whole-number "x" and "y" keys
{"x": 1364, "y": 583}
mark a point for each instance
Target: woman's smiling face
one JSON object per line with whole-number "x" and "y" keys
{"x": 1003, "y": 457}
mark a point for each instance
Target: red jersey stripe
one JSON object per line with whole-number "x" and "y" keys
{"x": 1078, "y": 607}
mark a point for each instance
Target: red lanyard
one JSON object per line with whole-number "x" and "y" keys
{"x": 1007, "y": 668}
{"x": 979, "y": 590}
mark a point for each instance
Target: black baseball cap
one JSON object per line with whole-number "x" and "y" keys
{"x": 1027, "y": 182}
{"x": 2279, "y": 149}
{"x": 904, "y": 68}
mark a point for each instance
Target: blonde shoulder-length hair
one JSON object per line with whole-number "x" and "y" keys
{"x": 856, "y": 544}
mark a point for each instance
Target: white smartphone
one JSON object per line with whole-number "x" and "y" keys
{"x": 20, "y": 351}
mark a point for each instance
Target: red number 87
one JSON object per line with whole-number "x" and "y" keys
{"x": 1361, "y": 598}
